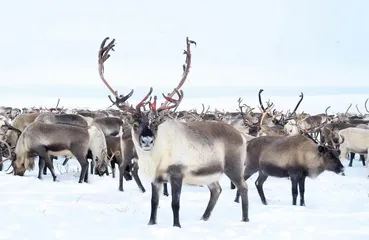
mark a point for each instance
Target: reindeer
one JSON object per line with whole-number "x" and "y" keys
{"x": 112, "y": 125}
{"x": 109, "y": 125}
{"x": 43, "y": 139}
{"x": 311, "y": 124}
{"x": 356, "y": 140}
{"x": 70, "y": 119}
{"x": 194, "y": 153}
{"x": 19, "y": 124}
{"x": 297, "y": 157}
{"x": 330, "y": 136}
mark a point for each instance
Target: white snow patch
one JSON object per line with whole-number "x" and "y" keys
{"x": 337, "y": 207}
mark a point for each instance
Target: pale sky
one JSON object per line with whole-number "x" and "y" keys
{"x": 242, "y": 45}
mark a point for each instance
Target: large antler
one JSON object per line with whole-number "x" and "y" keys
{"x": 102, "y": 57}
{"x": 269, "y": 104}
{"x": 186, "y": 69}
{"x": 298, "y": 104}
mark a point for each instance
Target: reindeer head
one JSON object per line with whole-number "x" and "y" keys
{"x": 145, "y": 124}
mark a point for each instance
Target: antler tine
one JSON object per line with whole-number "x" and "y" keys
{"x": 366, "y": 101}
{"x": 186, "y": 68}
{"x": 153, "y": 105}
{"x": 260, "y": 102}
{"x": 203, "y": 109}
{"x": 351, "y": 105}
{"x": 298, "y": 103}
{"x": 140, "y": 104}
{"x": 103, "y": 55}
{"x": 169, "y": 99}
{"x": 357, "y": 108}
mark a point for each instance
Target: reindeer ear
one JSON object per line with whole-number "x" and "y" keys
{"x": 322, "y": 149}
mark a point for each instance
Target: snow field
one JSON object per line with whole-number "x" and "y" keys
{"x": 337, "y": 207}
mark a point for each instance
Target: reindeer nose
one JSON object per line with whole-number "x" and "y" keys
{"x": 147, "y": 140}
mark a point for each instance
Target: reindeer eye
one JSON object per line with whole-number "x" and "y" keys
{"x": 135, "y": 126}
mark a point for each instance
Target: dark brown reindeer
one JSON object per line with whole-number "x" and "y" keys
{"x": 296, "y": 157}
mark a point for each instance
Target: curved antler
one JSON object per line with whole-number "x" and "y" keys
{"x": 366, "y": 101}
{"x": 175, "y": 102}
{"x": 103, "y": 55}
{"x": 186, "y": 69}
{"x": 298, "y": 103}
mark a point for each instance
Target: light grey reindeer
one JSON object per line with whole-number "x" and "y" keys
{"x": 191, "y": 153}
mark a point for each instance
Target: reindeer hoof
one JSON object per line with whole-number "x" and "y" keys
{"x": 152, "y": 222}
{"x": 245, "y": 220}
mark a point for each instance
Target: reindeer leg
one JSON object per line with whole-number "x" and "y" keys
{"x": 259, "y": 186}
{"x": 165, "y": 191}
{"x": 65, "y": 161}
{"x": 136, "y": 178}
{"x": 248, "y": 172}
{"x": 45, "y": 167}
{"x": 86, "y": 174}
{"x": 49, "y": 165}
{"x": 232, "y": 185}
{"x": 123, "y": 164}
{"x": 294, "y": 182}
{"x": 41, "y": 166}
{"x": 302, "y": 190}
{"x": 84, "y": 166}
{"x": 176, "y": 187}
{"x": 112, "y": 164}
{"x": 237, "y": 199}
{"x": 155, "y": 189}
{"x": 215, "y": 191}
{"x": 352, "y": 156}
{"x": 362, "y": 158}
{"x": 237, "y": 176}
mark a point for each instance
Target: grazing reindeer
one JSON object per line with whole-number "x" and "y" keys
{"x": 42, "y": 139}
{"x": 19, "y": 124}
{"x": 295, "y": 156}
{"x": 70, "y": 119}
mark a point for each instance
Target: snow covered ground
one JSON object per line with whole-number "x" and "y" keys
{"x": 337, "y": 207}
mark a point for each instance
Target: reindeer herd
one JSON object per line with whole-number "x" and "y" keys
{"x": 183, "y": 147}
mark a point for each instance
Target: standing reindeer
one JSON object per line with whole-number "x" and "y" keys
{"x": 194, "y": 153}
{"x": 112, "y": 126}
{"x": 295, "y": 156}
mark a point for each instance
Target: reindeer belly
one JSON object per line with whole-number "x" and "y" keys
{"x": 359, "y": 150}
{"x": 66, "y": 153}
{"x": 193, "y": 179}
{"x": 203, "y": 175}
